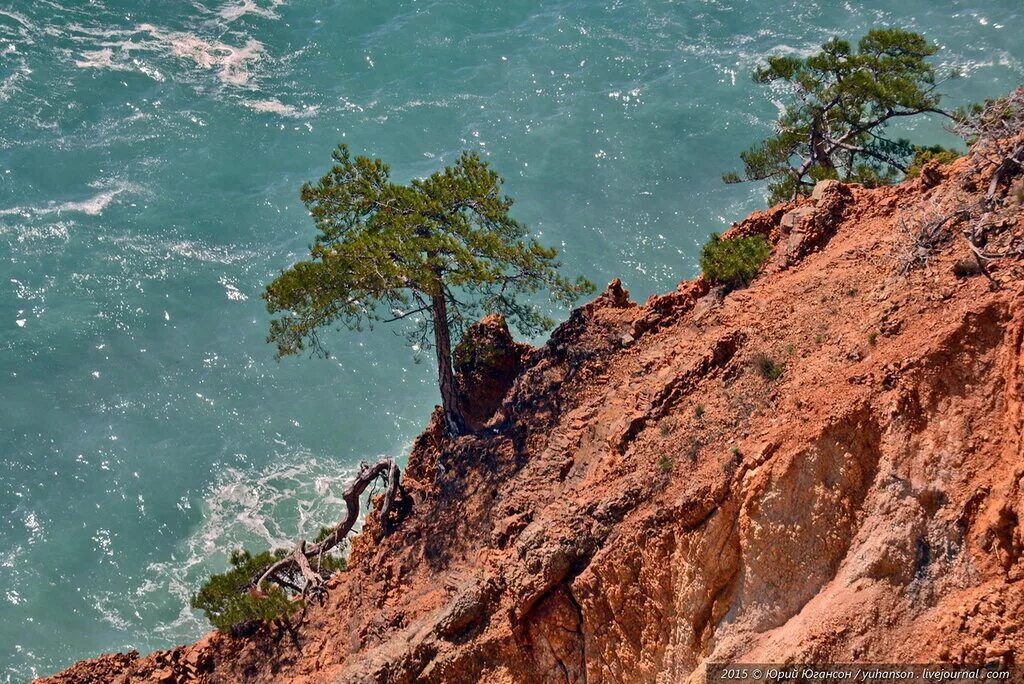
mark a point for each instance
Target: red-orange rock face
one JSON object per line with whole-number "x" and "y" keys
{"x": 650, "y": 499}
{"x": 487, "y": 363}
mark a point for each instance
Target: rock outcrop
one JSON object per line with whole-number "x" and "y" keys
{"x": 647, "y": 499}
{"x": 487, "y": 363}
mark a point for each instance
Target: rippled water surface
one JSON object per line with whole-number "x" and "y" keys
{"x": 150, "y": 157}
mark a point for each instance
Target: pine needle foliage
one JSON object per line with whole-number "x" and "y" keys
{"x": 840, "y": 102}
{"x": 734, "y": 262}
{"x": 924, "y": 155}
{"x": 230, "y": 600}
{"x": 382, "y": 250}
{"x": 436, "y": 253}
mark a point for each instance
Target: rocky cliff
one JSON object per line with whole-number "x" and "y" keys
{"x": 825, "y": 466}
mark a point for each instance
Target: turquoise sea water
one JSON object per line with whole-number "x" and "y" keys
{"x": 150, "y": 158}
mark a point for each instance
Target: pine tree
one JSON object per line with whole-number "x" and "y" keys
{"x": 438, "y": 253}
{"x": 841, "y": 101}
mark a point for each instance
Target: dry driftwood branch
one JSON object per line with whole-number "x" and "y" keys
{"x": 932, "y": 231}
{"x": 313, "y": 579}
{"x": 980, "y": 260}
{"x": 298, "y": 559}
{"x": 1013, "y": 160}
{"x": 977, "y": 236}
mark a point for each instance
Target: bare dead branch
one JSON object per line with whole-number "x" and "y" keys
{"x": 298, "y": 560}
{"x": 932, "y": 230}
{"x": 980, "y": 259}
{"x": 994, "y": 133}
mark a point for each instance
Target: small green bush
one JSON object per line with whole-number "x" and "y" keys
{"x": 693, "y": 447}
{"x": 228, "y": 600}
{"x": 767, "y": 367}
{"x": 734, "y": 262}
{"x": 665, "y": 464}
{"x": 923, "y": 155}
{"x": 231, "y": 603}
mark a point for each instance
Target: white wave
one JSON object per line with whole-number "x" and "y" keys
{"x": 104, "y": 604}
{"x": 32, "y": 524}
{"x": 162, "y": 251}
{"x": 9, "y": 84}
{"x": 92, "y": 206}
{"x": 19, "y": 18}
{"x": 794, "y": 51}
{"x": 75, "y": 31}
{"x": 239, "y": 9}
{"x": 967, "y": 67}
{"x": 244, "y": 504}
{"x": 21, "y": 30}
{"x": 232, "y": 290}
{"x": 57, "y": 230}
{"x": 274, "y": 106}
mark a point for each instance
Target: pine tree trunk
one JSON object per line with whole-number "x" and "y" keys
{"x": 450, "y": 403}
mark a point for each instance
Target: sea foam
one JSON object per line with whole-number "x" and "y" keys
{"x": 91, "y": 206}
{"x": 239, "y": 9}
{"x": 230, "y": 62}
{"x": 274, "y": 106}
{"x": 257, "y": 509}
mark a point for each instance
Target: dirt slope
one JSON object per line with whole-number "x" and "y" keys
{"x": 648, "y": 499}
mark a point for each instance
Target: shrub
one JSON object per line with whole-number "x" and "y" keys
{"x": 230, "y": 601}
{"x": 693, "y": 447}
{"x": 698, "y": 411}
{"x": 923, "y": 155}
{"x": 734, "y": 262}
{"x": 665, "y": 464}
{"x": 767, "y": 367}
